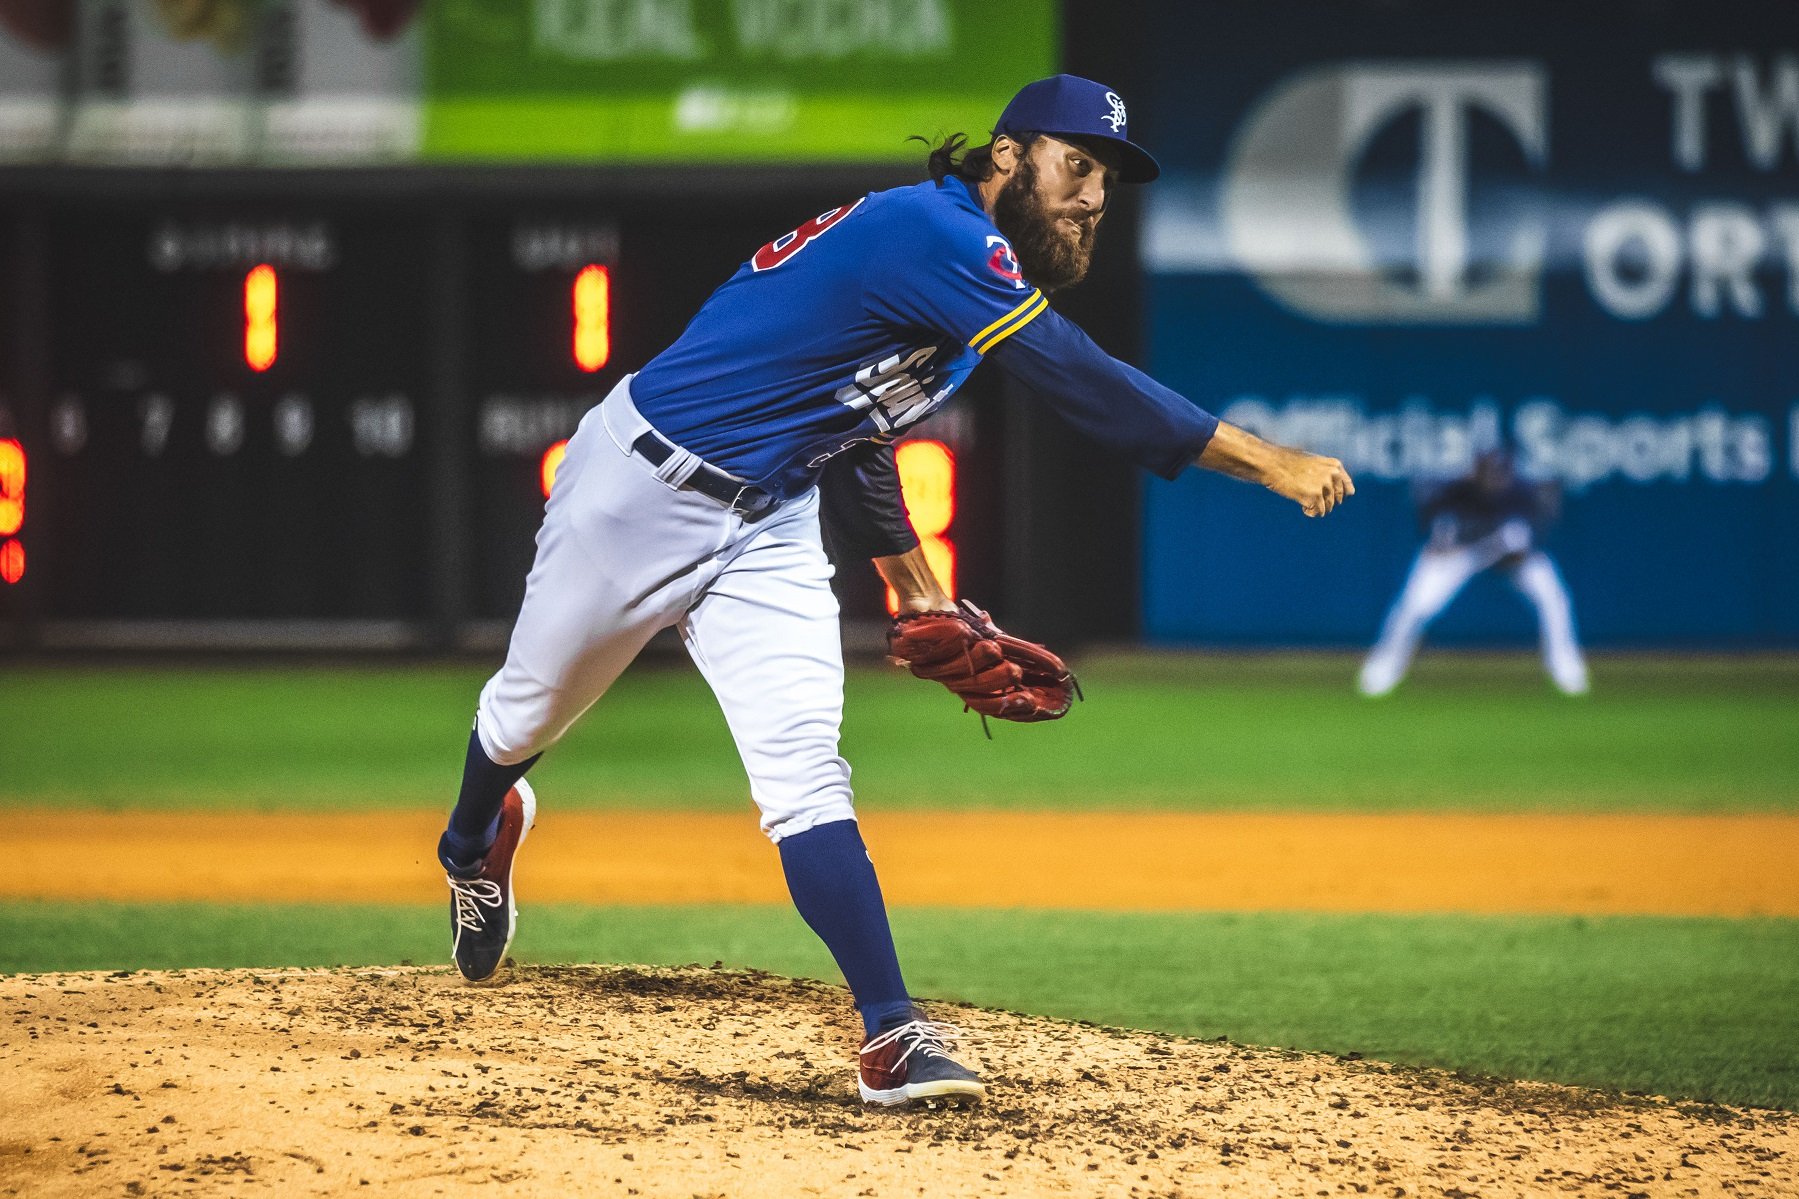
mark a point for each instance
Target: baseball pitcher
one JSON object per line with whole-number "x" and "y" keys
{"x": 689, "y": 499}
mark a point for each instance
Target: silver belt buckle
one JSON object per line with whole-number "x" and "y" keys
{"x": 752, "y": 514}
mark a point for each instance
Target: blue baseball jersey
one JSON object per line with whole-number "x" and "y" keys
{"x": 857, "y": 324}
{"x": 865, "y": 320}
{"x": 1463, "y": 512}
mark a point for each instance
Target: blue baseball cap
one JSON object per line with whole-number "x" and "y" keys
{"x": 1072, "y": 107}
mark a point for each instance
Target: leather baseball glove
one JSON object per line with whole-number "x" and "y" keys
{"x": 992, "y": 672}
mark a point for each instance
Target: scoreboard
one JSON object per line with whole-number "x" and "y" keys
{"x": 235, "y": 414}
{"x": 331, "y": 417}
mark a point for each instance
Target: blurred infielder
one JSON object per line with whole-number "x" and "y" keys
{"x": 691, "y": 496}
{"x": 1489, "y": 519}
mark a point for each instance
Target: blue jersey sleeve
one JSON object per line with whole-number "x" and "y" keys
{"x": 1112, "y": 402}
{"x": 952, "y": 273}
{"x": 955, "y": 277}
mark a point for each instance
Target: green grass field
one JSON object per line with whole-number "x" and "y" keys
{"x": 1182, "y": 731}
{"x": 1701, "y": 1009}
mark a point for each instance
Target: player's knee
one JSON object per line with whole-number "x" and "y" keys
{"x": 511, "y": 732}
{"x": 797, "y": 803}
{"x": 778, "y": 825}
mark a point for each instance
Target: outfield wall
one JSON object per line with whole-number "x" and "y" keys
{"x": 1379, "y": 235}
{"x": 1395, "y": 238}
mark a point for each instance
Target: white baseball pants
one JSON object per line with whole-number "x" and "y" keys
{"x": 624, "y": 553}
{"x": 1437, "y": 577}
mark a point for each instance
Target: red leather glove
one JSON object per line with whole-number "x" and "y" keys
{"x": 992, "y": 672}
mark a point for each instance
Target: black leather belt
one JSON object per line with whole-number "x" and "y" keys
{"x": 751, "y": 503}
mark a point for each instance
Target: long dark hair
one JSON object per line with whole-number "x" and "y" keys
{"x": 954, "y": 156}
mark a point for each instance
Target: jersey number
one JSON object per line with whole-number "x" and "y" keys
{"x": 788, "y": 244}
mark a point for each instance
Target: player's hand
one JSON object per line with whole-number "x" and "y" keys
{"x": 1316, "y": 483}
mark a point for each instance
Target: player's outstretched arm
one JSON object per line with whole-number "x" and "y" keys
{"x": 1316, "y": 483}
{"x": 1127, "y": 411}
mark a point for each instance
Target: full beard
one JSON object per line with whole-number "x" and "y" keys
{"x": 1051, "y": 255}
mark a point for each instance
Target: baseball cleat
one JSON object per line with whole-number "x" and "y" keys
{"x": 482, "y": 912}
{"x": 912, "y": 1064}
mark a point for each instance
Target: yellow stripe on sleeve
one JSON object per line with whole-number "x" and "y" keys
{"x": 1010, "y": 323}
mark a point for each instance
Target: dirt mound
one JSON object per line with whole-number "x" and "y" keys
{"x": 695, "y": 1082}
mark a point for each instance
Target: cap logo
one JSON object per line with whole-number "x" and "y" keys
{"x": 1115, "y": 118}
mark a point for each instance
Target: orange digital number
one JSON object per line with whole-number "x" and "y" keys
{"x": 261, "y": 328}
{"x": 593, "y": 317}
{"x": 927, "y": 473}
{"x": 552, "y": 461}
{"x": 12, "y": 509}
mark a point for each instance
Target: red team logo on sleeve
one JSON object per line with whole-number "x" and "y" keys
{"x": 788, "y": 244}
{"x": 1004, "y": 263}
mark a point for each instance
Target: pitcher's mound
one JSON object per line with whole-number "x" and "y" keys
{"x": 693, "y": 1082}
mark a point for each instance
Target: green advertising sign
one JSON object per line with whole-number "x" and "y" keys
{"x": 722, "y": 80}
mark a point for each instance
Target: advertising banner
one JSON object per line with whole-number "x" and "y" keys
{"x": 292, "y": 82}
{"x": 226, "y": 82}
{"x": 724, "y": 80}
{"x": 341, "y": 82}
{"x": 34, "y": 42}
{"x": 163, "y": 83}
{"x": 1569, "y": 230}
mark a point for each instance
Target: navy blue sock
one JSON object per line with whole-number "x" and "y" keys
{"x": 834, "y": 887}
{"x": 476, "y": 817}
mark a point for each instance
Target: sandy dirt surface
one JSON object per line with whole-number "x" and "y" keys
{"x": 609, "y": 1081}
{"x": 1740, "y": 865}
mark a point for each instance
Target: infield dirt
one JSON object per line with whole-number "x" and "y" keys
{"x": 608, "y": 1081}
{"x": 1642, "y": 863}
